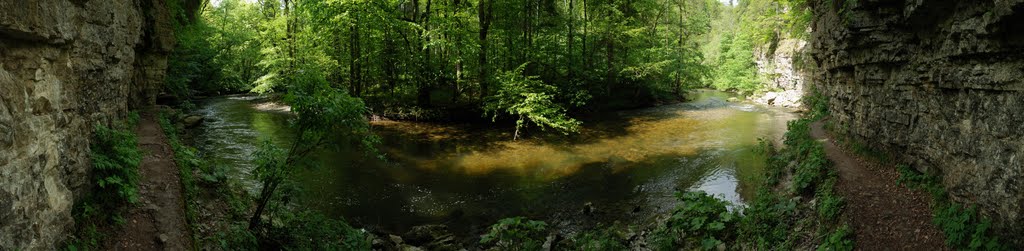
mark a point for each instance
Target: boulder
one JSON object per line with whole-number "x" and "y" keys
{"x": 432, "y": 237}
{"x": 192, "y": 121}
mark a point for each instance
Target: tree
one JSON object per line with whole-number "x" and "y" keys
{"x": 322, "y": 115}
{"x": 530, "y": 101}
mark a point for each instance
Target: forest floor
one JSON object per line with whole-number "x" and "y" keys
{"x": 884, "y": 215}
{"x": 158, "y": 221}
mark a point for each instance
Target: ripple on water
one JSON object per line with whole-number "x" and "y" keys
{"x": 629, "y": 166}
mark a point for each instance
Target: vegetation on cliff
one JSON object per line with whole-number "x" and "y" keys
{"x": 115, "y": 159}
{"x": 965, "y": 228}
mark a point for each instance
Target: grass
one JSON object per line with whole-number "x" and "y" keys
{"x": 115, "y": 175}
{"x": 964, "y": 227}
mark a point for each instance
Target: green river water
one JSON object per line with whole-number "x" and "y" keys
{"x": 627, "y": 165}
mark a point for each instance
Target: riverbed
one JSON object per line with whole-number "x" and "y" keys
{"x": 623, "y": 168}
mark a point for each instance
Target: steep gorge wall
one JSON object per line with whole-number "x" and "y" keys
{"x": 66, "y": 65}
{"x": 938, "y": 84}
{"x": 779, "y": 65}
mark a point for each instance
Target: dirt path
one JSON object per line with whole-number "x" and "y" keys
{"x": 158, "y": 222}
{"x": 884, "y": 215}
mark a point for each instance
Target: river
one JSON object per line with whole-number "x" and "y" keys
{"x": 626, "y": 165}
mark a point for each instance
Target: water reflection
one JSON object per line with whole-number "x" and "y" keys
{"x": 628, "y": 165}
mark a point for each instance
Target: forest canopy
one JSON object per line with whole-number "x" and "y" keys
{"x": 431, "y": 59}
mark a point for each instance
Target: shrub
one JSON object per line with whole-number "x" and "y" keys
{"x": 307, "y": 230}
{"x": 116, "y": 158}
{"x": 516, "y": 233}
{"x": 703, "y": 221}
{"x": 965, "y": 229}
{"x": 602, "y": 239}
{"x": 768, "y": 221}
{"x": 829, "y": 205}
{"x": 838, "y": 240}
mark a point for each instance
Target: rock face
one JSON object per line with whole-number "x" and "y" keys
{"x": 778, "y": 65}
{"x": 938, "y": 84}
{"x": 66, "y": 65}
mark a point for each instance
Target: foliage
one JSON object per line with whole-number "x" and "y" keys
{"x": 964, "y": 227}
{"x": 237, "y": 237}
{"x": 516, "y": 233}
{"x": 531, "y": 101}
{"x": 191, "y": 66}
{"x": 702, "y": 221}
{"x": 812, "y": 163}
{"x": 115, "y": 159}
{"x": 818, "y": 104}
{"x": 324, "y": 117}
{"x": 443, "y": 54}
{"x": 768, "y": 221}
{"x": 838, "y": 240}
{"x": 829, "y": 204}
{"x": 736, "y": 70}
{"x": 601, "y": 239}
{"x": 307, "y": 230}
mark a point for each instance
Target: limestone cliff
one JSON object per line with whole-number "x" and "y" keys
{"x": 66, "y": 65}
{"x": 779, "y": 65}
{"x": 938, "y": 84}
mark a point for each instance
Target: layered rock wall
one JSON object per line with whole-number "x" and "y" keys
{"x": 779, "y": 65}
{"x": 65, "y": 66}
{"x": 937, "y": 84}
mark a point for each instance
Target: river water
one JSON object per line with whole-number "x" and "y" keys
{"x": 625, "y": 165}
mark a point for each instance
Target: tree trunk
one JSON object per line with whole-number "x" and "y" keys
{"x": 679, "y": 47}
{"x": 484, "y": 14}
{"x": 423, "y": 92}
{"x": 265, "y": 195}
{"x": 572, "y": 39}
{"x": 354, "y": 66}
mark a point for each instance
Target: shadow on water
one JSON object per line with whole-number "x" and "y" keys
{"x": 627, "y": 165}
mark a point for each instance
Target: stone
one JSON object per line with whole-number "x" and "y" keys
{"x": 588, "y": 208}
{"x": 421, "y": 235}
{"x": 551, "y": 242}
{"x": 397, "y": 240}
{"x": 66, "y": 66}
{"x": 937, "y": 85}
{"x": 192, "y": 121}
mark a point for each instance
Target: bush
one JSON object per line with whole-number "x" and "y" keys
{"x": 115, "y": 160}
{"x": 238, "y": 237}
{"x": 516, "y": 233}
{"x": 602, "y": 239}
{"x": 703, "y": 221}
{"x": 838, "y": 240}
{"x": 309, "y": 230}
{"x": 829, "y": 205}
{"x": 965, "y": 229}
{"x": 768, "y": 221}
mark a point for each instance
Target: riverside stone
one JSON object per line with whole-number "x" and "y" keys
{"x": 939, "y": 85}
{"x": 65, "y": 66}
